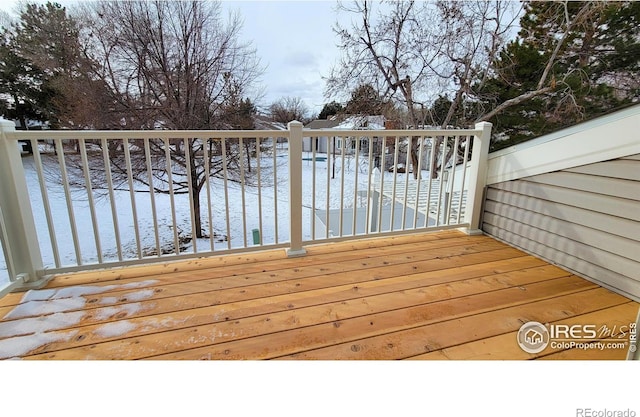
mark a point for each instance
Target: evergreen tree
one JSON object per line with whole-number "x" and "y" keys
{"x": 43, "y": 65}
{"x": 24, "y": 92}
{"x": 330, "y": 109}
{"x": 366, "y": 100}
{"x": 580, "y": 57}
{"x": 237, "y": 112}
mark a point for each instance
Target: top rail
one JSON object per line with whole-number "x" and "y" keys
{"x": 141, "y": 134}
{"x": 174, "y": 134}
{"x": 394, "y": 132}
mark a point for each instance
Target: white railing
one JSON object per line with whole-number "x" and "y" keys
{"x": 96, "y": 199}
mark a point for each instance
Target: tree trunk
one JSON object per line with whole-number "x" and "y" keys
{"x": 248, "y": 152}
{"x": 195, "y": 205}
{"x": 433, "y": 170}
{"x": 333, "y": 171}
{"x": 196, "y": 187}
{"x": 414, "y": 158}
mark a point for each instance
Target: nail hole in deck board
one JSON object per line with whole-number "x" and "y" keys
{"x": 355, "y": 348}
{"x": 226, "y": 351}
{"x": 289, "y": 305}
{"x": 337, "y": 324}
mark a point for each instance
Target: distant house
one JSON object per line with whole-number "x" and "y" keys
{"x": 261, "y": 122}
{"x": 323, "y": 142}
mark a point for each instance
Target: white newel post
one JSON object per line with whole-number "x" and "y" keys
{"x": 477, "y": 177}
{"x": 22, "y": 242}
{"x": 295, "y": 189}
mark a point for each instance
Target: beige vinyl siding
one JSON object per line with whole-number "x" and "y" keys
{"x": 585, "y": 219}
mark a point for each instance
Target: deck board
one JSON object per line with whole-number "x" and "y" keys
{"x": 439, "y": 295}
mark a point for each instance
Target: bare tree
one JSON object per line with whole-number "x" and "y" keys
{"x": 414, "y": 51}
{"x": 168, "y": 64}
{"x": 288, "y": 109}
{"x": 417, "y": 52}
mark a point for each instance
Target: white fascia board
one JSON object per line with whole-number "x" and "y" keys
{"x": 608, "y": 137}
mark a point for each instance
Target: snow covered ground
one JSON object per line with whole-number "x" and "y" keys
{"x": 238, "y": 212}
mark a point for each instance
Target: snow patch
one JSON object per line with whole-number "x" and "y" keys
{"x": 80, "y": 290}
{"x": 21, "y": 345}
{"x": 41, "y": 308}
{"x": 32, "y": 324}
{"x": 109, "y": 300}
{"x": 39, "y": 324}
{"x": 105, "y": 313}
{"x": 37, "y": 295}
{"x": 140, "y": 295}
{"x": 43, "y": 302}
{"x": 116, "y": 328}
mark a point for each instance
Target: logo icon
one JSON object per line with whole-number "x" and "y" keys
{"x": 533, "y": 337}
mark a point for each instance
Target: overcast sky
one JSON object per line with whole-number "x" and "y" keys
{"x": 293, "y": 39}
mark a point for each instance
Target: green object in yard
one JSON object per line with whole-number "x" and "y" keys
{"x": 256, "y": 236}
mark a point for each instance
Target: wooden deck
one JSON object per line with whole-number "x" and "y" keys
{"x": 441, "y": 295}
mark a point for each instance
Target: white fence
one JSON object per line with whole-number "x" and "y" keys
{"x": 96, "y": 199}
